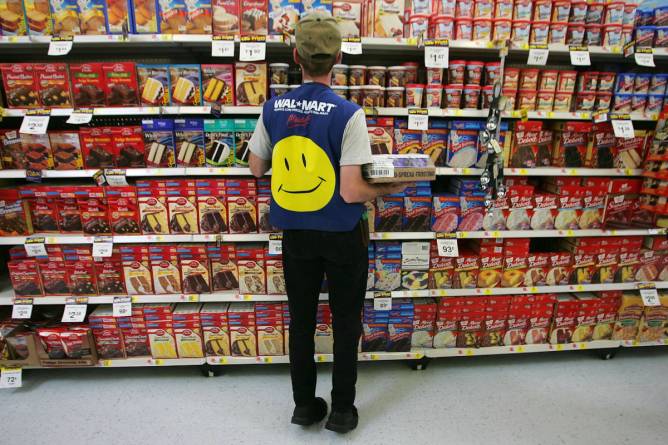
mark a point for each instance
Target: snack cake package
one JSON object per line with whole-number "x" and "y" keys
{"x": 12, "y": 18}
{"x": 92, "y": 17}
{"x": 145, "y": 16}
{"x": 65, "y": 15}
{"x": 38, "y": 17}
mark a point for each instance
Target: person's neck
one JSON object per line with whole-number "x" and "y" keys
{"x": 325, "y": 80}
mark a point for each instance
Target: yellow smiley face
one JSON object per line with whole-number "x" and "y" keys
{"x": 303, "y": 178}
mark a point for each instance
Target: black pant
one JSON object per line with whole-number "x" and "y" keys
{"x": 307, "y": 256}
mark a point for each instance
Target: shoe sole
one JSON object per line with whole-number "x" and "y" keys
{"x": 341, "y": 429}
{"x": 303, "y": 421}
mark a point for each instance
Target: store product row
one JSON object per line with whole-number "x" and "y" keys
{"x": 166, "y": 331}
{"x": 251, "y": 269}
{"x": 465, "y": 84}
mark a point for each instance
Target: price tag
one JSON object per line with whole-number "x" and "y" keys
{"x": 34, "y": 124}
{"x": 538, "y": 55}
{"x": 10, "y": 378}
{"x": 74, "y": 313}
{"x": 253, "y": 48}
{"x": 645, "y": 57}
{"x": 22, "y": 309}
{"x": 418, "y": 119}
{"x": 579, "y": 55}
{"x": 622, "y": 126}
{"x": 122, "y": 307}
{"x": 60, "y": 46}
{"x": 222, "y": 46}
{"x": 115, "y": 177}
{"x": 436, "y": 53}
{"x": 629, "y": 48}
{"x": 649, "y": 295}
{"x": 351, "y": 45}
{"x": 275, "y": 244}
{"x": 80, "y": 116}
{"x": 35, "y": 246}
{"x": 33, "y": 175}
{"x": 382, "y": 301}
{"x": 103, "y": 246}
{"x": 447, "y": 247}
{"x": 600, "y": 116}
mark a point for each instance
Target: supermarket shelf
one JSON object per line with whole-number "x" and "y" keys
{"x": 148, "y": 361}
{"x": 520, "y": 349}
{"x": 145, "y": 111}
{"x": 542, "y": 171}
{"x": 638, "y": 344}
{"x": 536, "y": 289}
{"x": 267, "y": 359}
{"x": 520, "y": 234}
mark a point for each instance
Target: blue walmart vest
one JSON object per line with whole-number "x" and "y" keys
{"x": 306, "y": 128}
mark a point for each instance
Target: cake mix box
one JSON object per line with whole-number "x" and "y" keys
{"x": 441, "y": 270}
{"x": 388, "y": 18}
{"x": 417, "y": 212}
{"x": 472, "y": 213}
{"x": 97, "y": 146}
{"x": 544, "y": 211}
{"x": 564, "y": 322}
{"x": 129, "y": 144}
{"x": 593, "y": 206}
{"x": 92, "y": 17}
{"x": 389, "y": 213}
{"x": 571, "y": 143}
{"x": 195, "y": 269}
{"x": 559, "y": 269}
{"x": 225, "y": 17}
{"x": 88, "y": 84}
{"x": 215, "y": 329}
{"x": 242, "y": 211}
{"x": 21, "y": 85}
{"x": 182, "y": 210}
{"x": 188, "y": 337}
{"x": 381, "y": 135}
{"x": 584, "y": 267}
{"x": 120, "y": 80}
{"x": 69, "y": 215}
{"x": 629, "y": 153}
{"x": 601, "y": 151}
{"x": 585, "y": 319}
{"x": 537, "y": 269}
{"x": 123, "y": 210}
{"x": 464, "y": 149}
{"x": 275, "y": 276}
{"x": 250, "y": 83}
{"x": 65, "y": 14}
{"x": 649, "y": 265}
{"x": 154, "y": 87}
{"x": 38, "y": 17}
{"x": 283, "y": 16}
{"x": 569, "y": 208}
{"x": 186, "y": 85}
{"x": 520, "y": 203}
{"x": 251, "y": 265}
{"x": 388, "y": 266}
{"x": 471, "y": 326}
{"x": 145, "y": 16}
{"x": 189, "y": 138}
{"x": 269, "y": 336}
{"x": 153, "y": 211}
{"x": 254, "y": 18}
{"x": 446, "y": 213}
{"x": 621, "y": 202}
{"x": 161, "y": 339}
{"x": 12, "y": 18}
{"x": 491, "y": 266}
{"x": 606, "y": 267}
{"x": 159, "y": 142}
{"x": 118, "y": 16}
{"x": 136, "y": 270}
{"x": 212, "y": 209}
{"x": 94, "y": 210}
{"x": 218, "y": 84}
{"x": 224, "y": 272}
{"x": 348, "y": 14}
{"x": 243, "y": 131}
{"x": 514, "y": 270}
{"x": 219, "y": 139}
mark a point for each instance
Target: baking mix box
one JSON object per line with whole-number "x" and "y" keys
{"x": 120, "y": 84}
{"x": 145, "y": 16}
{"x": 219, "y": 139}
{"x": 218, "y": 84}
{"x": 119, "y": 16}
{"x": 128, "y": 142}
{"x": 154, "y": 86}
{"x": 186, "y": 85}
{"x": 189, "y": 139}
{"x": 225, "y": 15}
{"x": 38, "y": 17}
{"x": 21, "y": 85}
{"x": 65, "y": 14}
{"x": 88, "y": 84}
{"x": 159, "y": 144}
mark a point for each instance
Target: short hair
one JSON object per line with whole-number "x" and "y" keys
{"x": 318, "y": 65}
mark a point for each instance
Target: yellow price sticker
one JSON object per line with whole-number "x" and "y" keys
{"x": 459, "y": 112}
{"x": 51, "y": 240}
{"x": 247, "y": 297}
{"x": 411, "y": 41}
{"x": 374, "y": 357}
{"x": 665, "y": 342}
{"x": 320, "y": 358}
{"x": 628, "y": 172}
{"x": 466, "y": 171}
{"x": 533, "y": 289}
{"x": 134, "y": 299}
{"x": 496, "y": 234}
{"x": 469, "y": 352}
{"x": 579, "y": 288}
{"x": 193, "y": 298}
{"x": 158, "y": 362}
{"x": 582, "y": 345}
{"x": 635, "y": 343}
{"x": 550, "y": 114}
{"x": 524, "y": 171}
{"x": 106, "y": 363}
{"x": 462, "y": 234}
{"x": 560, "y": 347}
{"x": 153, "y": 110}
{"x": 570, "y": 233}
{"x": 267, "y": 360}
{"x": 586, "y": 116}
{"x": 165, "y": 37}
{"x": 572, "y": 172}
{"x": 520, "y": 349}
{"x": 487, "y": 291}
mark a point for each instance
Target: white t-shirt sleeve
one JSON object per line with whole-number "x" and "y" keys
{"x": 355, "y": 146}
{"x": 260, "y": 144}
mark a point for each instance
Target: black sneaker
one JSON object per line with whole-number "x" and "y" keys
{"x": 308, "y": 415}
{"x": 342, "y": 422}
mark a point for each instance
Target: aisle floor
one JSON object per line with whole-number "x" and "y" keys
{"x": 566, "y": 398}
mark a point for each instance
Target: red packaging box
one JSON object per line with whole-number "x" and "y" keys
{"x": 525, "y": 151}
{"x": 20, "y": 85}
{"x": 601, "y": 153}
{"x": 648, "y": 268}
{"x": 136, "y": 270}
{"x": 466, "y": 270}
{"x": 627, "y": 267}
{"x": 129, "y": 144}
{"x": 593, "y": 206}
{"x": 37, "y": 151}
{"x": 98, "y": 147}
{"x": 253, "y": 18}
{"x": 516, "y": 246}
{"x": 69, "y": 216}
{"x": 242, "y": 211}
{"x": 54, "y": 278}
{"x": 123, "y": 210}
{"x": 584, "y": 267}
{"x": 517, "y": 325}
{"x": 570, "y": 144}
{"x": 94, "y": 211}
{"x": 495, "y": 326}
{"x": 110, "y": 279}
{"x": 109, "y": 343}
{"x": 569, "y": 208}
{"x": 514, "y": 271}
{"x": 14, "y": 214}
{"x": 564, "y": 322}
{"x": 416, "y": 214}
{"x": 560, "y": 269}
{"x": 66, "y": 150}
{"x": 441, "y": 271}
{"x": 544, "y": 211}
{"x": 606, "y": 267}
{"x": 81, "y": 272}
{"x": 88, "y": 88}
{"x": 218, "y": 84}
{"x": 182, "y": 210}
{"x": 489, "y": 274}
{"x": 212, "y": 209}
{"x": 470, "y": 329}
{"x": 120, "y": 80}
{"x": 54, "y": 85}
{"x": 538, "y": 267}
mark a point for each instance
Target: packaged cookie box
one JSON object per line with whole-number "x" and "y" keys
{"x": 12, "y": 18}
{"x": 164, "y": 264}
{"x": 195, "y": 269}
{"x": 65, "y": 14}
{"x": 21, "y": 85}
{"x": 250, "y": 83}
{"x": 399, "y": 168}
{"x": 120, "y": 84}
{"x": 145, "y": 17}
{"x": 154, "y": 86}
{"x": 64, "y": 346}
{"x": 218, "y": 84}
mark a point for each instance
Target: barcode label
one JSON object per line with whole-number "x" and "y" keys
{"x": 381, "y": 172}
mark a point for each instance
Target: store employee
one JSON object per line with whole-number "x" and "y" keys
{"x": 315, "y": 142}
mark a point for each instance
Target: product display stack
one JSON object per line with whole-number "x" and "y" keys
{"x": 134, "y": 233}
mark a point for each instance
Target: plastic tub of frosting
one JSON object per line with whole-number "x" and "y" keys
{"x": 463, "y": 28}
{"x": 558, "y": 33}
{"x": 442, "y": 27}
{"x": 547, "y": 80}
{"x": 562, "y": 101}
{"x": 394, "y": 97}
{"x": 487, "y": 95}
{"x": 520, "y": 32}
{"x": 474, "y": 71}
{"x": 278, "y": 73}
{"x": 654, "y": 103}
{"x": 483, "y": 9}
{"x": 453, "y": 95}
{"x": 606, "y": 81}
{"x": 542, "y": 11}
{"x": 278, "y": 90}
{"x": 511, "y": 98}
{"x": 511, "y": 78}
{"x": 603, "y": 101}
{"x": 645, "y": 16}
{"x": 482, "y": 29}
{"x": 621, "y": 103}
{"x": 522, "y": 10}
{"x": 595, "y": 13}
{"x": 355, "y": 94}
{"x": 528, "y": 78}
{"x": 396, "y": 76}
{"x": 578, "y": 12}
{"x": 585, "y": 101}
{"x": 587, "y": 82}
{"x": 464, "y": 9}
{"x": 411, "y": 71}
{"x": 448, "y": 7}
{"x": 340, "y": 90}
{"x": 492, "y": 70}
{"x": 625, "y": 82}
{"x": 357, "y": 75}
{"x": 645, "y": 36}
{"x": 593, "y": 35}
{"x": 544, "y": 100}
{"x": 614, "y": 13}
{"x": 575, "y": 34}
{"x": 471, "y": 96}
{"x": 433, "y": 95}
{"x": 661, "y": 37}
{"x": 502, "y": 29}
{"x": 561, "y": 11}
{"x": 434, "y": 76}
{"x": 638, "y": 102}
{"x": 629, "y": 14}
{"x": 526, "y": 100}
{"x": 340, "y": 75}
{"x": 539, "y": 33}
{"x": 566, "y": 81}
{"x": 456, "y": 71}
{"x": 373, "y": 96}
{"x": 376, "y": 75}
{"x": 642, "y": 82}
{"x": 612, "y": 35}
{"x": 418, "y": 25}
{"x": 658, "y": 84}
{"x": 627, "y": 34}
{"x": 414, "y": 94}
{"x": 503, "y": 9}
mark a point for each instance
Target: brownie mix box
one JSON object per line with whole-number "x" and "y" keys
{"x": 99, "y": 150}
{"x": 110, "y": 279}
{"x": 123, "y": 210}
{"x": 81, "y": 272}
{"x": 120, "y": 81}
{"x": 37, "y": 151}
{"x": 88, "y": 84}
{"x": 128, "y": 142}
{"x": 69, "y": 215}
{"x": 21, "y": 85}
{"x": 218, "y": 84}
{"x": 54, "y": 85}
{"x": 94, "y": 210}
{"x": 25, "y": 278}
{"x": 66, "y": 150}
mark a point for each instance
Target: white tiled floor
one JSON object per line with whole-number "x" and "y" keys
{"x": 555, "y": 398}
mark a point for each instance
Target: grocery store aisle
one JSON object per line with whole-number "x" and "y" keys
{"x": 566, "y": 398}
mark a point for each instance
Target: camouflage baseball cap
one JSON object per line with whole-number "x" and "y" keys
{"x": 317, "y": 35}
